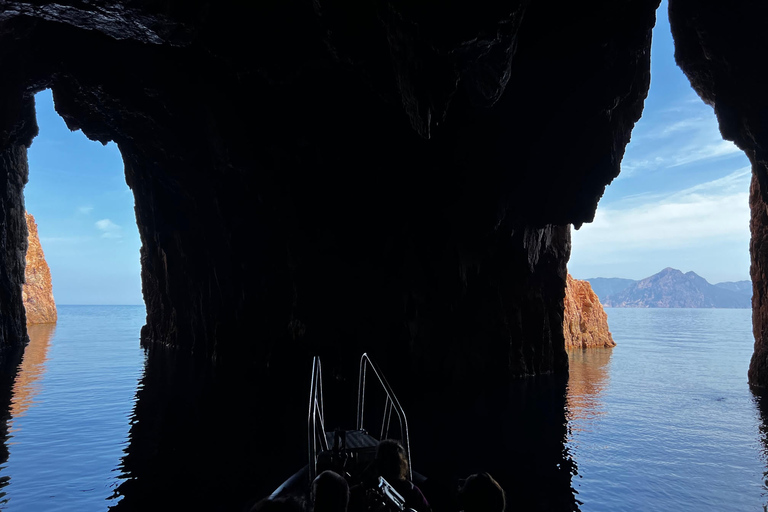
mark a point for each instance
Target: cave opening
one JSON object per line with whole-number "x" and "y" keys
{"x": 682, "y": 198}
{"x": 75, "y": 387}
{"x": 85, "y": 214}
{"x": 396, "y": 184}
{"x": 668, "y": 256}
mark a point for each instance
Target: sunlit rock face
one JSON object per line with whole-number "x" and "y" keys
{"x": 585, "y": 323}
{"x": 717, "y": 46}
{"x": 331, "y": 177}
{"x": 37, "y": 292}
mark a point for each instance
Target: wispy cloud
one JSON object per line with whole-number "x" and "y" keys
{"x": 683, "y": 134}
{"x": 84, "y": 210}
{"x": 715, "y": 210}
{"x": 109, "y": 229}
{"x": 687, "y": 142}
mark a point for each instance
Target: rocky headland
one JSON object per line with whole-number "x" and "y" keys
{"x": 37, "y": 292}
{"x": 585, "y": 323}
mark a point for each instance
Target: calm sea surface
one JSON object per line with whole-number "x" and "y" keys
{"x": 665, "y": 421}
{"x": 71, "y": 409}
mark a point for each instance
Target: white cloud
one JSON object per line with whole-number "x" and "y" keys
{"x": 684, "y": 134}
{"x": 85, "y": 210}
{"x": 693, "y": 145}
{"x": 715, "y": 210}
{"x": 109, "y": 229}
{"x": 696, "y": 153}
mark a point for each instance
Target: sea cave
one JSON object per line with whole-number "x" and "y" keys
{"x": 331, "y": 178}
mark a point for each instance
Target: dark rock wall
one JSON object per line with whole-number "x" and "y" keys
{"x": 758, "y": 248}
{"x": 16, "y": 136}
{"x": 322, "y": 177}
{"x": 720, "y": 48}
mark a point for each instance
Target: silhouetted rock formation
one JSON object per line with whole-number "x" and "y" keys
{"x": 758, "y": 248}
{"x": 381, "y": 179}
{"x": 717, "y": 45}
{"x": 37, "y": 292}
{"x": 585, "y": 323}
{"x": 670, "y": 288}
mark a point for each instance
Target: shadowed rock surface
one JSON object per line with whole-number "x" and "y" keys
{"x": 37, "y": 292}
{"x": 331, "y": 177}
{"x": 377, "y": 181}
{"x": 585, "y": 323}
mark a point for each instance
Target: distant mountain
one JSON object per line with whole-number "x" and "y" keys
{"x": 605, "y": 286}
{"x": 670, "y": 288}
{"x": 744, "y": 287}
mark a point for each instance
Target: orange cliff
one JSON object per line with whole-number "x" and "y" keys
{"x": 37, "y": 291}
{"x": 585, "y": 323}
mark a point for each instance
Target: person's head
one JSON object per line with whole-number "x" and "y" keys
{"x": 481, "y": 493}
{"x": 330, "y": 492}
{"x": 391, "y": 460}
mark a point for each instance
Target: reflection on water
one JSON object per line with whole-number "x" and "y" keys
{"x": 9, "y": 363}
{"x": 663, "y": 422}
{"x": 761, "y": 403}
{"x": 27, "y": 384}
{"x": 589, "y": 378}
{"x": 210, "y": 438}
{"x": 205, "y": 437}
{"x": 22, "y": 379}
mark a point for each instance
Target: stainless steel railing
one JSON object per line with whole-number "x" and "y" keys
{"x": 315, "y": 416}
{"x": 390, "y": 403}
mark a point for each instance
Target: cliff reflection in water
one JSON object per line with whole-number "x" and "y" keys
{"x": 20, "y": 373}
{"x": 588, "y": 379}
{"x": 204, "y": 437}
{"x": 27, "y": 383}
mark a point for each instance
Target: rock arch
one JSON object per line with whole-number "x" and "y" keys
{"x": 317, "y": 177}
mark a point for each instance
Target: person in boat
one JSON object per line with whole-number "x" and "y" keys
{"x": 391, "y": 463}
{"x": 330, "y": 492}
{"x": 481, "y": 493}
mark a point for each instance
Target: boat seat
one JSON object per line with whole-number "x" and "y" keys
{"x": 356, "y": 440}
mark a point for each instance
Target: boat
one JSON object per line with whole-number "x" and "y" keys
{"x": 350, "y": 452}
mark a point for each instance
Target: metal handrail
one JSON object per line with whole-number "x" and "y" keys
{"x": 316, "y": 409}
{"x": 391, "y": 403}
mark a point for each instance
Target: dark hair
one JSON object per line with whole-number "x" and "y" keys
{"x": 481, "y": 493}
{"x": 330, "y": 492}
{"x": 391, "y": 460}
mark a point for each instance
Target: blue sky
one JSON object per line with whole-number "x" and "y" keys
{"x": 682, "y": 198}
{"x": 680, "y": 201}
{"x": 84, "y": 212}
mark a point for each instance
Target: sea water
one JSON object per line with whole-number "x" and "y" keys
{"x": 71, "y": 409}
{"x": 663, "y": 421}
{"x": 666, "y": 420}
